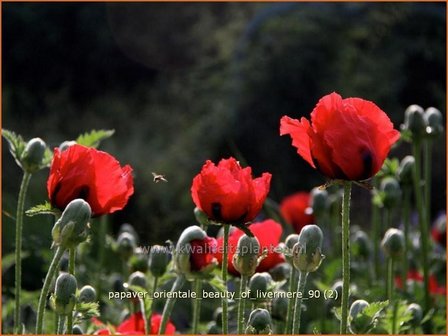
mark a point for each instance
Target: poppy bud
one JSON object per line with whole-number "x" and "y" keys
{"x": 201, "y": 217}
{"x": 33, "y": 155}
{"x": 126, "y": 245}
{"x": 259, "y": 322}
{"x": 393, "y": 243}
{"x": 126, "y": 227}
{"x": 280, "y": 272}
{"x": 65, "y": 294}
{"x": 66, "y": 144}
{"x": 280, "y": 307}
{"x": 405, "y": 170}
{"x": 417, "y": 314}
{"x": 259, "y": 283}
{"x": 77, "y": 330}
{"x": 355, "y": 309}
{"x": 434, "y": 122}
{"x": 290, "y": 241}
{"x": 319, "y": 201}
{"x": 414, "y": 121}
{"x": 245, "y": 260}
{"x": 391, "y": 192}
{"x": 159, "y": 258}
{"x": 116, "y": 283}
{"x": 71, "y": 227}
{"x": 137, "y": 279}
{"x": 361, "y": 244}
{"x": 87, "y": 294}
{"x": 306, "y": 253}
{"x": 217, "y": 316}
{"x": 337, "y": 290}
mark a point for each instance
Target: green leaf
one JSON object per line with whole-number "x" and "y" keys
{"x": 43, "y": 209}
{"x": 217, "y": 284}
{"x": 94, "y": 137}
{"x": 48, "y": 156}
{"x": 16, "y": 145}
{"x": 337, "y": 311}
{"x": 85, "y": 311}
{"x": 396, "y": 318}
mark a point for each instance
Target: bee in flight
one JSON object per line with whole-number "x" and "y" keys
{"x": 159, "y": 177}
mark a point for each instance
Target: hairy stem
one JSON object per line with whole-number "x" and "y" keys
{"x": 345, "y": 255}
{"x": 225, "y": 317}
{"x": 298, "y": 304}
{"x": 242, "y": 304}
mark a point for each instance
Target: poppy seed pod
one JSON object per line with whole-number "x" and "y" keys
{"x": 33, "y": 155}
{"x": 434, "y": 122}
{"x": 65, "y": 291}
{"x": 417, "y": 314}
{"x": 126, "y": 245}
{"x": 393, "y": 243}
{"x": 307, "y": 255}
{"x": 280, "y": 307}
{"x": 87, "y": 294}
{"x": 77, "y": 330}
{"x": 290, "y": 241}
{"x": 159, "y": 258}
{"x": 259, "y": 322}
{"x": 137, "y": 279}
{"x": 414, "y": 121}
{"x": 391, "y": 191}
{"x": 406, "y": 169}
{"x": 259, "y": 283}
{"x": 319, "y": 201}
{"x": 362, "y": 244}
{"x": 66, "y": 144}
{"x": 245, "y": 260}
{"x": 71, "y": 227}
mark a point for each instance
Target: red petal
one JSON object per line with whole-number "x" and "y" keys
{"x": 294, "y": 209}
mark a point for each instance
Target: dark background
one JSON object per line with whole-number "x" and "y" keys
{"x": 182, "y": 83}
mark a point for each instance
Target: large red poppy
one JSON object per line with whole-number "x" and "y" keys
{"x": 90, "y": 174}
{"x": 294, "y": 209}
{"x": 268, "y": 234}
{"x": 227, "y": 192}
{"x": 135, "y": 325}
{"x": 202, "y": 253}
{"x": 347, "y": 139}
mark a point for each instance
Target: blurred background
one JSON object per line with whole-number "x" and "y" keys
{"x": 182, "y": 83}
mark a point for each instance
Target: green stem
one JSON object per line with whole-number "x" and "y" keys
{"x": 390, "y": 280}
{"x": 242, "y": 304}
{"x": 46, "y": 288}
{"x": 406, "y": 222}
{"x": 19, "y": 225}
{"x": 56, "y": 322}
{"x": 427, "y": 177}
{"x": 298, "y": 304}
{"x": 154, "y": 285}
{"x": 416, "y": 148}
{"x": 292, "y": 289}
{"x": 169, "y": 304}
{"x": 225, "y": 326}
{"x": 376, "y": 235}
{"x": 71, "y": 260}
{"x": 69, "y": 323}
{"x": 197, "y": 305}
{"x": 61, "y": 325}
{"x": 101, "y": 252}
{"x": 345, "y": 255}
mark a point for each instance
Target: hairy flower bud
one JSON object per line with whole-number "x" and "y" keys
{"x": 66, "y": 144}
{"x": 126, "y": 245}
{"x": 393, "y": 243}
{"x": 87, "y": 294}
{"x": 434, "y": 122}
{"x": 307, "y": 255}
{"x": 355, "y": 309}
{"x": 65, "y": 291}
{"x": 259, "y": 322}
{"x": 259, "y": 283}
{"x": 137, "y": 279}
{"x": 71, "y": 228}
{"x": 126, "y": 227}
{"x": 405, "y": 170}
{"x": 417, "y": 314}
{"x": 319, "y": 201}
{"x": 77, "y": 330}
{"x": 290, "y": 241}
{"x": 391, "y": 192}
{"x": 33, "y": 155}
{"x": 159, "y": 258}
{"x": 362, "y": 245}
{"x": 414, "y": 121}
{"x": 245, "y": 260}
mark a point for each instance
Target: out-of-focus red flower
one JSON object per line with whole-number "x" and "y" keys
{"x": 202, "y": 253}
{"x": 438, "y": 230}
{"x": 228, "y": 193}
{"x": 268, "y": 234}
{"x": 294, "y": 210}
{"x": 90, "y": 174}
{"x": 414, "y": 275}
{"x": 347, "y": 139}
{"x": 135, "y": 325}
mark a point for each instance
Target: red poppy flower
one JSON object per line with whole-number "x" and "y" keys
{"x": 202, "y": 253}
{"x": 227, "y": 192}
{"x": 294, "y": 210}
{"x": 135, "y": 325}
{"x": 90, "y": 174}
{"x": 347, "y": 139}
{"x": 414, "y": 275}
{"x": 268, "y": 234}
